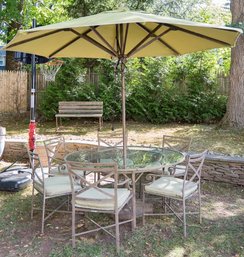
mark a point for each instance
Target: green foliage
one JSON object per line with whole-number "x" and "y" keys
{"x": 65, "y": 88}
{"x": 158, "y": 90}
{"x": 79, "y": 8}
{"x": 18, "y": 14}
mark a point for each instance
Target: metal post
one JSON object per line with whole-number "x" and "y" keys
{"x": 123, "y": 109}
{"x": 32, "y": 125}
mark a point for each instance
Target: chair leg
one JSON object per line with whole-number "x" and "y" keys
{"x": 143, "y": 207}
{"x": 43, "y": 213}
{"x": 200, "y": 213}
{"x": 73, "y": 225}
{"x": 32, "y": 202}
{"x": 184, "y": 216}
{"x": 68, "y": 203}
{"x": 164, "y": 204}
{"x": 117, "y": 236}
{"x": 56, "y": 123}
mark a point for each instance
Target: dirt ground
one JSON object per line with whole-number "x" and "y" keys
{"x": 20, "y": 236}
{"x": 204, "y": 136}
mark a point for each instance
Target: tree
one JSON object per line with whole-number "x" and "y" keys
{"x": 18, "y": 14}
{"x": 235, "y": 107}
{"x": 11, "y": 21}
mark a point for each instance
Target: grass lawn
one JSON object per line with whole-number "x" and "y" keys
{"x": 221, "y": 233}
{"x": 211, "y": 137}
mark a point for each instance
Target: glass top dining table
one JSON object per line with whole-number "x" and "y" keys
{"x": 139, "y": 160}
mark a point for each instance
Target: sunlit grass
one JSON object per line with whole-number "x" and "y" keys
{"x": 211, "y": 137}
{"x": 220, "y": 234}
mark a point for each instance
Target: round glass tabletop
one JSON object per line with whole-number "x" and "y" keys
{"x": 138, "y": 158}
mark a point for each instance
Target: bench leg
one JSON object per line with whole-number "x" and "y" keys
{"x": 56, "y": 123}
{"x": 100, "y": 124}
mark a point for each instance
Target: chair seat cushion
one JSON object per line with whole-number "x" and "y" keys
{"x": 59, "y": 185}
{"x": 171, "y": 187}
{"x": 94, "y": 199}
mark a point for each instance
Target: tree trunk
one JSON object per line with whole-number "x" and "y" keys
{"x": 234, "y": 116}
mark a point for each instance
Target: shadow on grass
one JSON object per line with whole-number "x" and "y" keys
{"x": 220, "y": 234}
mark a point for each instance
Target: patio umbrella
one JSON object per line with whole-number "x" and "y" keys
{"x": 121, "y": 35}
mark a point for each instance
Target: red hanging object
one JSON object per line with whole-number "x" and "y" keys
{"x": 32, "y": 136}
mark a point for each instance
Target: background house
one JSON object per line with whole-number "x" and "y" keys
{"x": 2, "y": 59}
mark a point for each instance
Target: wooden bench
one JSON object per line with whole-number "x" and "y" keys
{"x": 79, "y": 109}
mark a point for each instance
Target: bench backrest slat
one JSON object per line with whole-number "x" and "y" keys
{"x": 76, "y": 107}
{"x": 80, "y": 108}
{"x": 80, "y": 103}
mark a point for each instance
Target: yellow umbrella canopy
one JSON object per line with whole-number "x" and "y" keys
{"x": 121, "y": 35}
{"x": 126, "y": 34}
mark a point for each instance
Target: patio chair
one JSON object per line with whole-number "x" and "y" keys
{"x": 111, "y": 139}
{"x": 55, "y": 149}
{"x": 98, "y": 196}
{"x": 181, "y": 144}
{"x": 169, "y": 187}
{"x": 47, "y": 187}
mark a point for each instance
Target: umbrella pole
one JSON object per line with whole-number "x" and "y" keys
{"x": 122, "y": 65}
{"x": 32, "y": 125}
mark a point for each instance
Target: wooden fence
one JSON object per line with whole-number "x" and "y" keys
{"x": 13, "y": 88}
{"x": 15, "y": 91}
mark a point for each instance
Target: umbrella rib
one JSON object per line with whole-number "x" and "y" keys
{"x": 197, "y": 34}
{"x": 160, "y": 40}
{"x": 103, "y": 39}
{"x": 70, "y": 42}
{"x": 117, "y": 40}
{"x": 121, "y": 37}
{"x": 86, "y": 37}
{"x": 94, "y": 42}
{"x": 126, "y": 37}
{"x": 34, "y": 38}
{"x": 63, "y": 47}
{"x": 151, "y": 41}
{"x": 150, "y": 33}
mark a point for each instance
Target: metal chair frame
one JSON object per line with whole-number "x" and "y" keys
{"x": 194, "y": 165}
{"x": 53, "y": 147}
{"x": 111, "y": 139}
{"x": 39, "y": 177}
{"x": 109, "y": 172}
{"x": 177, "y": 143}
{"x": 181, "y": 144}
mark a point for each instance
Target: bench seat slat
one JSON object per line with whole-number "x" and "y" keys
{"x": 81, "y": 108}
{"x": 80, "y": 111}
{"x": 78, "y": 115}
